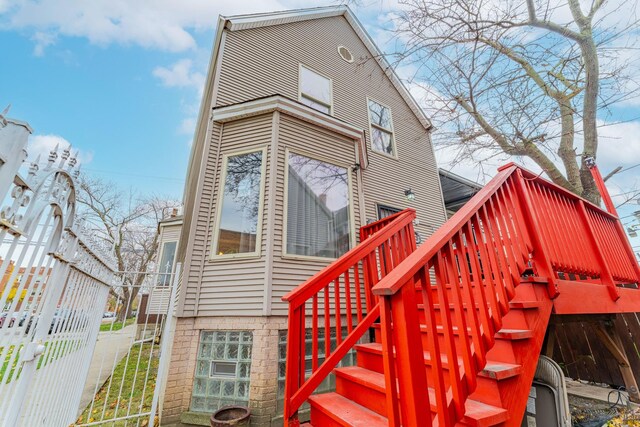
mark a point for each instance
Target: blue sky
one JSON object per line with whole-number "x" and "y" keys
{"x": 121, "y": 81}
{"x": 124, "y": 93}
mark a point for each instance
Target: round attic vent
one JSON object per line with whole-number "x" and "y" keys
{"x": 345, "y": 53}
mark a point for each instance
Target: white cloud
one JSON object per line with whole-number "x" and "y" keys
{"x": 180, "y": 74}
{"x": 41, "y": 145}
{"x": 42, "y": 41}
{"x": 156, "y": 24}
{"x": 188, "y": 125}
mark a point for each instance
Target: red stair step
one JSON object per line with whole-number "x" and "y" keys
{"x": 525, "y": 305}
{"x": 514, "y": 334}
{"x": 477, "y": 413}
{"x": 494, "y": 370}
{"x": 331, "y": 409}
{"x": 507, "y": 334}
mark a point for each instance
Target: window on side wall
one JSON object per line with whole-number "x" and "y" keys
{"x": 385, "y": 211}
{"x": 167, "y": 259}
{"x": 382, "y": 140}
{"x": 238, "y": 228}
{"x": 318, "y": 220}
{"x": 315, "y": 90}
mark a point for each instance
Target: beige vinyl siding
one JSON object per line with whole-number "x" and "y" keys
{"x": 303, "y": 138}
{"x": 264, "y": 61}
{"x": 197, "y": 213}
{"x": 229, "y": 286}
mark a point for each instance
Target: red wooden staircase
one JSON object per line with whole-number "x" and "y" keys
{"x": 458, "y": 322}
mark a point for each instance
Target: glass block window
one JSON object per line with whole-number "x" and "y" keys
{"x": 329, "y": 383}
{"x": 223, "y": 366}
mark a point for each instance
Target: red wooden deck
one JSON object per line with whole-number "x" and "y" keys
{"x": 459, "y": 322}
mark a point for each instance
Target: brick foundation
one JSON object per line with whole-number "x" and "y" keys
{"x": 264, "y": 364}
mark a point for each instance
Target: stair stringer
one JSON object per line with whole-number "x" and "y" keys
{"x": 514, "y": 392}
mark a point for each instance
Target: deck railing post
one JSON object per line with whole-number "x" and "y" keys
{"x": 292, "y": 382}
{"x": 605, "y": 273}
{"x": 409, "y": 360}
{"x": 532, "y": 223}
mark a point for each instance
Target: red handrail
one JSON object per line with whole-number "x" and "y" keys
{"x": 348, "y": 278}
{"x": 369, "y": 229}
{"x": 517, "y": 223}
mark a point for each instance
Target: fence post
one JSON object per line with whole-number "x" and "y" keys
{"x": 13, "y": 143}
{"x": 166, "y": 346}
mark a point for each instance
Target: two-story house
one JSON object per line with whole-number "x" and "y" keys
{"x": 305, "y": 133}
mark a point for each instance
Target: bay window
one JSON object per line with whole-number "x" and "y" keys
{"x": 240, "y": 205}
{"x": 318, "y": 222}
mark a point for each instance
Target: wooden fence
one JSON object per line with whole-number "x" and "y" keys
{"x": 583, "y": 356}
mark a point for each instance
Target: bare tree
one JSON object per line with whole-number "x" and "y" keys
{"x": 129, "y": 226}
{"x": 520, "y": 77}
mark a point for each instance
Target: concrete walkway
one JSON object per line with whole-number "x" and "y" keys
{"x": 111, "y": 347}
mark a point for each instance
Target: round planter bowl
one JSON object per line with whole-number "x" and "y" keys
{"x": 231, "y": 416}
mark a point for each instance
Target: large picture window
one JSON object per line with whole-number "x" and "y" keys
{"x": 238, "y": 230}
{"x": 315, "y": 90}
{"x": 318, "y": 217}
{"x": 381, "y": 129}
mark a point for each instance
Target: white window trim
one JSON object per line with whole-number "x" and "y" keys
{"x": 330, "y": 105}
{"x": 285, "y": 220}
{"x": 348, "y": 50}
{"x": 216, "y": 229}
{"x": 392, "y": 131}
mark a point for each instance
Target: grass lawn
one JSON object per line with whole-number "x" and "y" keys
{"x": 115, "y": 403}
{"x": 116, "y": 325}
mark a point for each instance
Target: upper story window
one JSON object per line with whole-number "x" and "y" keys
{"x": 382, "y": 139}
{"x": 240, "y": 205}
{"x": 315, "y": 90}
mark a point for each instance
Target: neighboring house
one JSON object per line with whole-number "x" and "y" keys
{"x": 155, "y": 301}
{"x": 305, "y": 134}
{"x": 36, "y": 291}
{"x": 456, "y": 190}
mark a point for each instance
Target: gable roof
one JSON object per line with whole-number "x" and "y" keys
{"x": 258, "y": 20}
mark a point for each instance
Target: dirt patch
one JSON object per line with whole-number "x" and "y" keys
{"x": 595, "y": 413}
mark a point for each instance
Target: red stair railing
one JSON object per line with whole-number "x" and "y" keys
{"x": 333, "y": 298}
{"x": 517, "y": 224}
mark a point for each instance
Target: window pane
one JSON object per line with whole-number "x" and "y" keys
{"x": 166, "y": 263}
{"x": 315, "y": 86}
{"x": 318, "y": 208}
{"x": 315, "y": 105}
{"x": 379, "y": 115}
{"x": 381, "y": 141}
{"x": 240, "y": 204}
{"x": 385, "y": 211}
{"x": 223, "y": 369}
